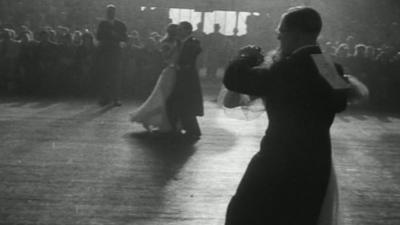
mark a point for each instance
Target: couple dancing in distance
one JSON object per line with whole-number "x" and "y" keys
{"x": 176, "y": 99}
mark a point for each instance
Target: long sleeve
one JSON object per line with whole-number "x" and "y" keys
{"x": 242, "y": 78}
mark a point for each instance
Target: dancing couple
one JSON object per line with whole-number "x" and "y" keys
{"x": 291, "y": 180}
{"x": 176, "y": 100}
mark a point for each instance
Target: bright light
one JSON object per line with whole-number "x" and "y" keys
{"x": 227, "y": 20}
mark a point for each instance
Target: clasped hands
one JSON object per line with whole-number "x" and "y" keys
{"x": 252, "y": 54}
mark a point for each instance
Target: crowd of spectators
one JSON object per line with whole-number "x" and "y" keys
{"x": 47, "y": 61}
{"x": 376, "y": 66}
{"x": 61, "y": 59}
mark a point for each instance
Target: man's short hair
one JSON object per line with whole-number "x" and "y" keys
{"x": 186, "y": 26}
{"x": 302, "y": 19}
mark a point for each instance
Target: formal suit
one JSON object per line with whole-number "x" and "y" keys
{"x": 108, "y": 57}
{"x": 286, "y": 181}
{"x": 186, "y": 100}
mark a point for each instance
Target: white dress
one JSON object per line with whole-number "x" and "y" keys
{"x": 152, "y": 114}
{"x": 330, "y": 211}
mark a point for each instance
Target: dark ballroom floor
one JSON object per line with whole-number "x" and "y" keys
{"x": 72, "y": 162}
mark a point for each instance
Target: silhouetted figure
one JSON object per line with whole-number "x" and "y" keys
{"x": 46, "y": 55}
{"x": 186, "y": 100}
{"x": 9, "y": 53}
{"x": 66, "y": 66}
{"x": 286, "y": 181}
{"x": 216, "y": 54}
{"x": 111, "y": 35}
{"x": 85, "y": 61}
{"x": 200, "y": 35}
{"x": 26, "y": 65}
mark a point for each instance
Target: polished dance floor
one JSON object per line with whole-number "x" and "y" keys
{"x": 73, "y": 162}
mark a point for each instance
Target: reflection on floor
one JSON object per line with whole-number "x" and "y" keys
{"x": 72, "y": 162}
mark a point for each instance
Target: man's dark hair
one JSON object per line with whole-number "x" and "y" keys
{"x": 186, "y": 26}
{"x": 302, "y": 19}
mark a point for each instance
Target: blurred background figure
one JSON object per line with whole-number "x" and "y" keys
{"x": 200, "y": 35}
{"x": 111, "y": 35}
{"x": 85, "y": 55}
{"x": 9, "y": 53}
{"x": 216, "y": 54}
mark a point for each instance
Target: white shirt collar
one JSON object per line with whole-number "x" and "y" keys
{"x": 303, "y": 47}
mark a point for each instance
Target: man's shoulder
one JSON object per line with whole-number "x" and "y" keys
{"x": 199, "y": 34}
{"x": 302, "y": 58}
{"x": 116, "y": 21}
{"x": 103, "y": 22}
{"x": 306, "y": 52}
{"x": 193, "y": 40}
{"x": 119, "y": 22}
{"x": 212, "y": 35}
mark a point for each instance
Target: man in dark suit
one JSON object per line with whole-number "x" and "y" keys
{"x": 200, "y": 35}
{"x": 112, "y": 36}
{"x": 216, "y": 55}
{"x": 186, "y": 100}
{"x": 45, "y": 56}
{"x": 286, "y": 181}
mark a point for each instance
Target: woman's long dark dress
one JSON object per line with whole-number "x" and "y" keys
{"x": 286, "y": 181}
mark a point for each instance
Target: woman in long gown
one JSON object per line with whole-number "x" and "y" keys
{"x": 152, "y": 113}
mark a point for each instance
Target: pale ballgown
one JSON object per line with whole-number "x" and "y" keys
{"x": 331, "y": 213}
{"x": 152, "y": 114}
